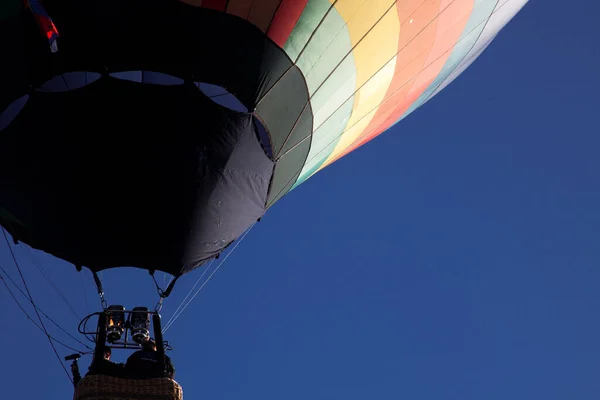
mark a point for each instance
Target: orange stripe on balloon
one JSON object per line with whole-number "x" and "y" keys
{"x": 418, "y": 26}
{"x": 408, "y": 85}
{"x": 385, "y": 120}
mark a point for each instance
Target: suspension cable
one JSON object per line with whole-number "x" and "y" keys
{"x": 39, "y": 266}
{"x": 31, "y": 319}
{"x": 174, "y": 318}
{"x": 35, "y": 309}
{"x": 40, "y": 310}
{"x": 190, "y": 292}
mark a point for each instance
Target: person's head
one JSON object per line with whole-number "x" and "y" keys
{"x": 149, "y": 345}
{"x": 107, "y": 353}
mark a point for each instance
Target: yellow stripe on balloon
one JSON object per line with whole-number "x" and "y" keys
{"x": 372, "y": 95}
{"x": 375, "y": 59}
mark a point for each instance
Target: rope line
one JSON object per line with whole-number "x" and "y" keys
{"x": 174, "y": 318}
{"x": 39, "y": 266}
{"x": 29, "y": 317}
{"x": 41, "y": 311}
{"x": 34, "y": 306}
{"x": 190, "y": 291}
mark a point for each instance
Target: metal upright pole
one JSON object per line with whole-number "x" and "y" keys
{"x": 100, "y": 336}
{"x": 160, "y": 346}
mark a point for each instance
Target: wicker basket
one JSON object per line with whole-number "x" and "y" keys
{"x": 103, "y": 387}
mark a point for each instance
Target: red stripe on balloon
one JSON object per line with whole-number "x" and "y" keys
{"x": 218, "y": 5}
{"x": 285, "y": 20}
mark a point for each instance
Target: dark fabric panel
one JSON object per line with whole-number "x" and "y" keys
{"x": 293, "y": 156}
{"x": 263, "y": 137}
{"x": 239, "y": 173}
{"x": 23, "y": 52}
{"x": 302, "y": 130}
{"x": 287, "y": 172}
{"x": 272, "y": 69}
{"x": 131, "y": 175}
{"x": 281, "y": 107}
{"x": 10, "y": 8}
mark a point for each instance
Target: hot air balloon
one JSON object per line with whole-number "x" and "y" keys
{"x": 153, "y": 133}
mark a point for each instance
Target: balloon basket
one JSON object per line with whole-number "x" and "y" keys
{"x": 103, "y": 387}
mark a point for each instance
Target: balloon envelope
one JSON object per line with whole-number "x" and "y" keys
{"x": 153, "y": 133}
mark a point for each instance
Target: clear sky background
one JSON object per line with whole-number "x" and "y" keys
{"x": 454, "y": 257}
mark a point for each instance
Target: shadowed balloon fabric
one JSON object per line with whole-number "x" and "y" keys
{"x": 154, "y": 133}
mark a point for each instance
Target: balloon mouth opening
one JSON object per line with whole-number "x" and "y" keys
{"x": 71, "y": 81}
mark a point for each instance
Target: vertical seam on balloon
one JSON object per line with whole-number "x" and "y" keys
{"x": 294, "y": 61}
{"x": 350, "y": 52}
{"x": 289, "y": 135}
{"x": 273, "y": 17}
{"x": 294, "y": 177}
{"x": 345, "y": 25}
{"x": 250, "y": 10}
{"x": 219, "y": 95}
{"x": 277, "y": 82}
{"x": 62, "y": 76}
{"x": 268, "y": 132}
{"x": 295, "y": 23}
{"x": 296, "y": 174}
{"x": 332, "y": 6}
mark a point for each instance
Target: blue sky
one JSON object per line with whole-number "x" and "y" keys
{"x": 454, "y": 257}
